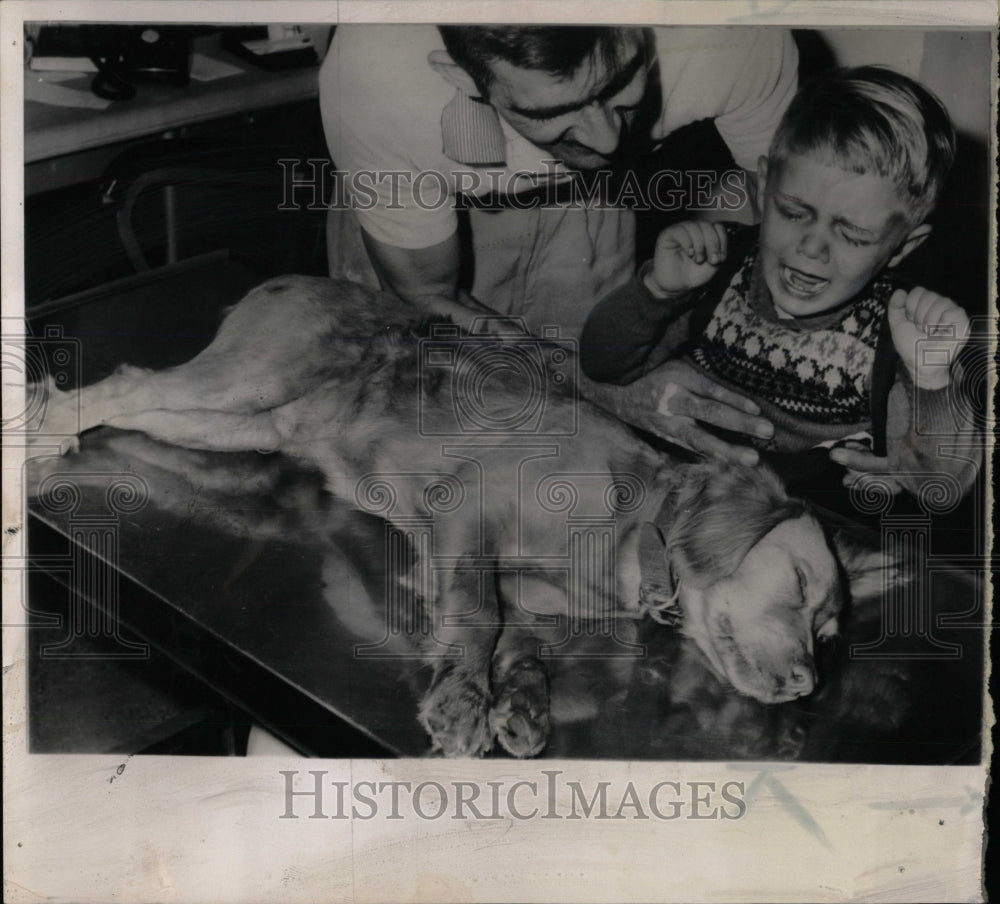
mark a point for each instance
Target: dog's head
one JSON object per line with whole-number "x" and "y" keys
{"x": 756, "y": 579}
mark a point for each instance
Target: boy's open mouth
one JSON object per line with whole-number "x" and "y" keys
{"x": 802, "y": 284}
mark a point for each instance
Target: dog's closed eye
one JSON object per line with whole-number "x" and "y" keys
{"x": 800, "y": 597}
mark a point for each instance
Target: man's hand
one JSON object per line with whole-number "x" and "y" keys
{"x": 860, "y": 461}
{"x": 687, "y": 256}
{"x": 463, "y": 309}
{"x": 675, "y": 401}
{"x": 942, "y": 326}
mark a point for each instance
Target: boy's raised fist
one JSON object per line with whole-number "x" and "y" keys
{"x": 687, "y": 256}
{"x": 928, "y": 330}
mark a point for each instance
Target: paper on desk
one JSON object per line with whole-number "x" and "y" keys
{"x": 55, "y": 75}
{"x": 43, "y": 91}
{"x": 207, "y": 69}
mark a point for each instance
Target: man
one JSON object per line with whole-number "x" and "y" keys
{"x": 423, "y": 120}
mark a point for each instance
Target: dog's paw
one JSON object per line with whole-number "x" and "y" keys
{"x": 454, "y": 714}
{"x": 52, "y": 416}
{"x": 790, "y": 741}
{"x": 520, "y": 714}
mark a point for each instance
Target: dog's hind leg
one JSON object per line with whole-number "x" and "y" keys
{"x": 210, "y": 431}
{"x": 172, "y": 405}
{"x": 274, "y": 346}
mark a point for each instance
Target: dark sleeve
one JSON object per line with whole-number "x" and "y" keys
{"x": 929, "y": 433}
{"x": 626, "y": 327}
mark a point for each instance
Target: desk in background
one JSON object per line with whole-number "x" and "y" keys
{"x": 217, "y": 143}
{"x": 67, "y": 145}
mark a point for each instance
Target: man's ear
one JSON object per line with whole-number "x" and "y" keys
{"x": 756, "y": 180}
{"x": 761, "y": 177}
{"x": 442, "y": 63}
{"x": 914, "y": 239}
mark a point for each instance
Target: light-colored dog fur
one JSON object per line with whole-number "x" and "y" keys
{"x": 329, "y": 373}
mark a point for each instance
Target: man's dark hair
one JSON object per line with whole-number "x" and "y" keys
{"x": 558, "y": 50}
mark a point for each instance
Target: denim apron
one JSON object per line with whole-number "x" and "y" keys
{"x": 549, "y": 265}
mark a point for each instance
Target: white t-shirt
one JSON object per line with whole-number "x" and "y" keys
{"x": 388, "y": 117}
{"x": 382, "y": 106}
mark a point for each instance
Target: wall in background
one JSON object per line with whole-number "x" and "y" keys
{"x": 958, "y": 67}
{"x": 955, "y": 65}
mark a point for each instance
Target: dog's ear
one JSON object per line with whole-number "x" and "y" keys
{"x": 870, "y": 572}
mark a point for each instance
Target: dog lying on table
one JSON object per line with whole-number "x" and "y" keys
{"x": 347, "y": 381}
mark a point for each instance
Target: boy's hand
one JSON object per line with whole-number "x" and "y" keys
{"x": 942, "y": 325}
{"x": 687, "y": 256}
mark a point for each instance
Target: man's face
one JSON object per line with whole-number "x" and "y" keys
{"x": 584, "y": 120}
{"x": 825, "y": 232}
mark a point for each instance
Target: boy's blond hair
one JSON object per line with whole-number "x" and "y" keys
{"x": 873, "y": 120}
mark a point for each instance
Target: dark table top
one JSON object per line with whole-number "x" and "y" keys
{"x": 244, "y": 570}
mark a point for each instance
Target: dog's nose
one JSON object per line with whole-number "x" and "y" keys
{"x": 801, "y": 679}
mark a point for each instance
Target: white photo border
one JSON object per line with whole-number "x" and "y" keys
{"x": 83, "y": 828}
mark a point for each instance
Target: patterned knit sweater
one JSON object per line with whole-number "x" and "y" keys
{"x": 819, "y": 380}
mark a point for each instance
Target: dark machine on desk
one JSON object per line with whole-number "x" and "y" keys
{"x": 119, "y": 55}
{"x": 123, "y": 55}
